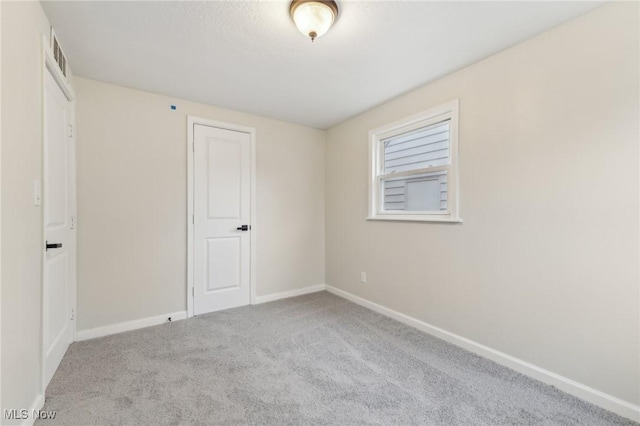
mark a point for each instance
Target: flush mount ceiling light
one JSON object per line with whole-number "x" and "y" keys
{"x": 313, "y": 18}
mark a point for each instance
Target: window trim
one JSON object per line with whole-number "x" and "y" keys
{"x": 446, "y": 111}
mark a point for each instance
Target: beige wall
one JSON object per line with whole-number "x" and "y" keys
{"x": 545, "y": 266}
{"x": 132, "y": 192}
{"x": 22, "y": 25}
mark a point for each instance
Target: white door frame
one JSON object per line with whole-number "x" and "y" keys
{"x": 50, "y": 66}
{"x": 191, "y": 122}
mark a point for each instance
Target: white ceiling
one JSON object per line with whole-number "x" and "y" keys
{"x": 249, "y": 56}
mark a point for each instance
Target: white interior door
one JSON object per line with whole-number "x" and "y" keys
{"x": 59, "y": 217}
{"x": 222, "y": 207}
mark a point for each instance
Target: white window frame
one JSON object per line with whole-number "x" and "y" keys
{"x": 447, "y": 111}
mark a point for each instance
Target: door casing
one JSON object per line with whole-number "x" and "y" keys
{"x": 191, "y": 122}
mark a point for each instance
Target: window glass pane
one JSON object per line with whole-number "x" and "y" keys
{"x": 417, "y": 149}
{"x": 420, "y": 193}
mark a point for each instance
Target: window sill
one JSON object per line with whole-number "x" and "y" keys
{"x": 408, "y": 218}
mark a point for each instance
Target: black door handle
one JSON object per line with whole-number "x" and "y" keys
{"x": 243, "y": 228}
{"x": 52, "y": 246}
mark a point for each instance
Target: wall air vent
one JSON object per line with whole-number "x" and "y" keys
{"x": 58, "y": 54}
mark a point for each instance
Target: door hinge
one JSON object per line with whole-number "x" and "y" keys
{"x": 73, "y": 222}
{"x": 73, "y": 314}
{"x": 70, "y": 130}
{"x": 193, "y": 146}
{"x": 193, "y": 292}
{"x": 193, "y": 219}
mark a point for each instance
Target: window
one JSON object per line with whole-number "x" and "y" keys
{"x": 414, "y": 167}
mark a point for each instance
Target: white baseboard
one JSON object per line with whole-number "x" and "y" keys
{"x": 107, "y": 330}
{"x": 604, "y": 400}
{"x": 287, "y": 294}
{"x": 37, "y": 405}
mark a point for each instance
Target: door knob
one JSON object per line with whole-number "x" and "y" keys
{"x": 52, "y": 246}
{"x": 243, "y": 228}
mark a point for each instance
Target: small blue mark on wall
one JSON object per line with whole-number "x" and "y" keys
{"x": 173, "y": 107}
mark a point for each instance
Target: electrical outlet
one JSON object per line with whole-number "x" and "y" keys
{"x": 363, "y": 277}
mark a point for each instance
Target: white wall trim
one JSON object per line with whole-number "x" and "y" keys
{"x": 37, "y": 405}
{"x": 604, "y": 400}
{"x": 121, "y": 327}
{"x": 287, "y": 294}
{"x": 191, "y": 121}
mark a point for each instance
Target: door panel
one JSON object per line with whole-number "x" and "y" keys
{"x": 57, "y": 172}
{"x": 222, "y": 197}
{"x": 58, "y": 303}
{"x": 223, "y": 263}
{"x": 59, "y": 206}
{"x": 225, "y": 167}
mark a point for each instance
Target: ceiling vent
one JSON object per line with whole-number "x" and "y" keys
{"x": 58, "y": 54}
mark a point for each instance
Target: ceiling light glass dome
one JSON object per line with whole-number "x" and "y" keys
{"x": 313, "y": 18}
